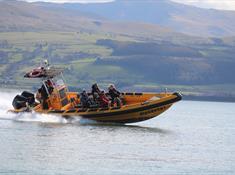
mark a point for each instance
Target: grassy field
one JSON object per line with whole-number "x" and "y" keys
{"x": 76, "y": 52}
{"x": 86, "y": 62}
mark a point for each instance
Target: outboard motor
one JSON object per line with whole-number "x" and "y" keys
{"x": 20, "y": 101}
{"x": 29, "y": 96}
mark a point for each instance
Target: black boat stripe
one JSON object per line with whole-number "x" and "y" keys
{"x": 138, "y": 93}
{"x": 71, "y": 111}
{"x": 126, "y": 120}
{"x": 178, "y": 98}
{"x": 57, "y": 111}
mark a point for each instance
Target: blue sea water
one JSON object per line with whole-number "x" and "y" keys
{"x": 191, "y": 138}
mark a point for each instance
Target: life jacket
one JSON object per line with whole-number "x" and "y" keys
{"x": 104, "y": 101}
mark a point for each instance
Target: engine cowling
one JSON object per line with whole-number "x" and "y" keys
{"x": 20, "y": 101}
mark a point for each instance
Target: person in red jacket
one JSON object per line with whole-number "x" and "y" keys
{"x": 103, "y": 100}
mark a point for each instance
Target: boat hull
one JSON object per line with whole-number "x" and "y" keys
{"x": 127, "y": 114}
{"x": 138, "y": 114}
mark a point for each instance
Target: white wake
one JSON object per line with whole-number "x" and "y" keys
{"x": 6, "y": 104}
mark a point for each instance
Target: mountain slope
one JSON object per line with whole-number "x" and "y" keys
{"x": 96, "y": 49}
{"x": 23, "y": 16}
{"x": 127, "y": 17}
{"x": 182, "y": 18}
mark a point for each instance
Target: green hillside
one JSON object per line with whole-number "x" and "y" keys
{"x": 130, "y": 63}
{"x": 134, "y": 56}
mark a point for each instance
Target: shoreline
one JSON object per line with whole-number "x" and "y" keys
{"x": 185, "y": 97}
{"x": 209, "y": 98}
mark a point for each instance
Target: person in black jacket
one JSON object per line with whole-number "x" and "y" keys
{"x": 115, "y": 95}
{"x": 95, "y": 91}
{"x": 42, "y": 97}
{"x": 84, "y": 99}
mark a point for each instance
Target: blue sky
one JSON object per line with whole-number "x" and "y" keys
{"x": 217, "y": 4}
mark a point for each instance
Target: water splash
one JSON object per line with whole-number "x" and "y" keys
{"x": 6, "y": 104}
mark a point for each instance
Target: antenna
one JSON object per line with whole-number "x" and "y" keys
{"x": 47, "y": 56}
{"x": 46, "y": 63}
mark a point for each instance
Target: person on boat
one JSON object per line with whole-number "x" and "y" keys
{"x": 50, "y": 87}
{"x": 95, "y": 99}
{"x": 115, "y": 95}
{"x": 42, "y": 97}
{"x": 95, "y": 91}
{"x": 39, "y": 96}
{"x": 103, "y": 100}
{"x": 85, "y": 100}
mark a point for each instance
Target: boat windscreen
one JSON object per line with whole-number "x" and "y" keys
{"x": 59, "y": 83}
{"x": 62, "y": 93}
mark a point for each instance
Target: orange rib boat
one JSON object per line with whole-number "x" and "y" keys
{"x": 136, "y": 107}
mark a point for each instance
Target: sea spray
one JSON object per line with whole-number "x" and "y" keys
{"x": 6, "y": 104}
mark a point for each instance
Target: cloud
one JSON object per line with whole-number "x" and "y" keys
{"x": 215, "y": 4}
{"x": 71, "y": 1}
